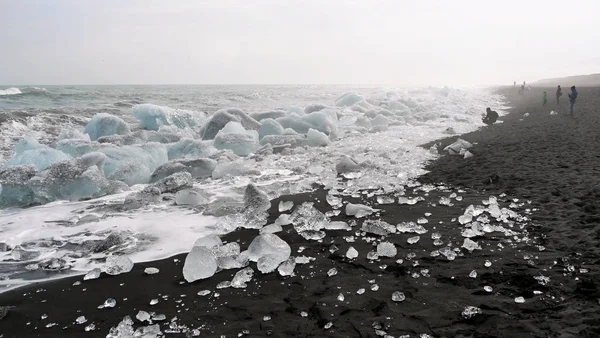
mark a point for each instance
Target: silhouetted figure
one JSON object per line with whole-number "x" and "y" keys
{"x": 515, "y": 84}
{"x": 572, "y": 98}
{"x": 491, "y": 117}
{"x": 545, "y": 98}
{"x": 558, "y": 94}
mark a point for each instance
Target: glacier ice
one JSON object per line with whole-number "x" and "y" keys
{"x": 380, "y": 122}
{"x": 269, "y": 127}
{"x": 189, "y": 148}
{"x": 323, "y": 121}
{"x": 29, "y": 151}
{"x": 316, "y": 138}
{"x": 268, "y": 244}
{"x": 75, "y": 147}
{"x": 191, "y": 196}
{"x": 307, "y": 218}
{"x": 348, "y": 99}
{"x": 386, "y": 249}
{"x": 175, "y": 182}
{"x": 138, "y": 161}
{"x": 234, "y": 137}
{"x": 116, "y": 265}
{"x": 378, "y": 227}
{"x": 209, "y": 241}
{"x": 199, "y": 168}
{"x": 222, "y": 117}
{"x": 359, "y": 210}
{"x": 268, "y": 263}
{"x": 152, "y": 117}
{"x": 14, "y": 187}
{"x": 273, "y": 114}
{"x": 104, "y": 124}
{"x": 242, "y": 277}
{"x": 234, "y": 168}
{"x": 347, "y": 165}
{"x": 458, "y": 147}
{"x": 200, "y": 263}
{"x": 255, "y": 200}
{"x": 287, "y": 267}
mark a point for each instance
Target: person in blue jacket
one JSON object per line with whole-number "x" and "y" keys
{"x": 572, "y": 98}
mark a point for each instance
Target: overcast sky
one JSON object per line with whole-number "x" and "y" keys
{"x": 454, "y": 42}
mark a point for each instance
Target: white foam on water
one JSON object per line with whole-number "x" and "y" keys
{"x": 10, "y": 91}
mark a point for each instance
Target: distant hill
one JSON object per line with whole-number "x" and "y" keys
{"x": 577, "y": 80}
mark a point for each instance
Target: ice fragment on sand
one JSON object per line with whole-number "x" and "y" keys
{"x": 80, "y": 320}
{"x": 360, "y": 291}
{"x": 209, "y": 241}
{"x": 332, "y": 200}
{"x": 304, "y": 314}
{"x": 341, "y": 297}
{"x": 255, "y": 200}
{"x": 408, "y": 201}
{"x": 224, "y": 284}
{"x": 287, "y": 267}
{"x": 328, "y": 326}
{"x": 359, "y": 210}
{"x": 203, "y": 293}
{"x": 464, "y": 219}
{"x": 468, "y": 154}
{"x": 153, "y": 301}
{"x": 90, "y": 327}
{"x": 411, "y": 227}
{"x": 268, "y": 263}
{"x": 151, "y": 271}
{"x": 473, "y": 274}
{"x": 385, "y": 200}
{"x": 285, "y": 206}
{"x": 93, "y": 274}
{"x": 398, "y": 296}
{"x": 200, "y": 263}
{"x": 386, "y": 249}
{"x": 351, "y": 253}
{"x": 269, "y": 244}
{"x": 422, "y": 220}
{"x": 378, "y": 227}
{"x": 374, "y": 287}
{"x": 448, "y": 253}
{"x": 116, "y": 265}
{"x": 109, "y": 303}
{"x": 337, "y": 225}
{"x": 191, "y": 196}
{"x": 458, "y": 146}
{"x": 413, "y": 240}
{"x": 488, "y": 288}
{"x": 142, "y": 316}
{"x": 470, "y": 245}
{"x": 175, "y": 182}
{"x": 487, "y": 264}
{"x": 307, "y": 218}
{"x": 332, "y": 272}
{"x": 470, "y": 312}
{"x": 519, "y": 300}
{"x": 271, "y": 229}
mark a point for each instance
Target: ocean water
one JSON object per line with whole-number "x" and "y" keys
{"x": 59, "y": 240}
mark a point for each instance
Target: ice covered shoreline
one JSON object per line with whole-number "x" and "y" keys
{"x": 382, "y": 139}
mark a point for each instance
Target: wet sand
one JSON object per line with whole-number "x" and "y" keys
{"x": 548, "y": 163}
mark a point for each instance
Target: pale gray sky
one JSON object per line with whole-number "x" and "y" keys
{"x": 453, "y": 42}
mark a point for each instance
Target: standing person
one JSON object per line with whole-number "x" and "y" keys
{"x": 558, "y": 95}
{"x": 515, "y": 84}
{"x": 572, "y": 98}
{"x": 545, "y": 98}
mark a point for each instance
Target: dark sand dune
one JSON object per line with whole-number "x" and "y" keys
{"x": 549, "y": 160}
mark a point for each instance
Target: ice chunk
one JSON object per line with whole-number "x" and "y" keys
{"x": 241, "y": 278}
{"x": 29, "y": 151}
{"x": 324, "y": 121}
{"x": 103, "y": 124}
{"x": 209, "y": 241}
{"x": 188, "y": 148}
{"x": 222, "y": 117}
{"x": 268, "y": 263}
{"x": 386, "y": 249}
{"x": 470, "y": 312}
{"x": 93, "y": 274}
{"x": 175, "y": 182}
{"x": 411, "y": 227}
{"x": 306, "y": 218}
{"x": 519, "y": 300}
{"x": 268, "y": 244}
{"x": 116, "y": 265}
{"x": 378, "y": 227}
{"x": 398, "y": 296}
{"x": 471, "y": 245}
{"x": 152, "y": 117}
{"x": 385, "y": 200}
{"x": 363, "y": 122}
{"x": 191, "y": 196}
{"x": 269, "y": 127}
{"x": 316, "y": 138}
{"x": 200, "y": 263}
{"x": 271, "y": 229}
{"x": 337, "y": 225}
{"x": 458, "y": 146}
{"x": 143, "y": 316}
{"x": 255, "y": 200}
{"x": 359, "y": 210}
{"x": 314, "y": 107}
{"x": 151, "y": 271}
{"x": 285, "y": 205}
{"x": 198, "y": 168}
{"x": 351, "y": 253}
{"x": 287, "y": 267}
{"x": 273, "y": 114}
{"x": 413, "y": 240}
{"x": 407, "y": 200}
{"x": 81, "y": 320}
{"x": 75, "y": 147}
{"x": 468, "y": 154}
{"x": 146, "y": 157}
{"x": 348, "y": 99}
{"x": 14, "y": 187}
{"x": 347, "y": 165}
{"x": 20, "y": 254}
{"x": 234, "y": 137}
{"x": 380, "y": 122}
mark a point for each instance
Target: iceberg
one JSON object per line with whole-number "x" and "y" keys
{"x": 175, "y": 182}
{"x": 14, "y": 187}
{"x": 198, "y": 168}
{"x": 316, "y": 138}
{"x": 269, "y": 127}
{"x": 134, "y": 164}
{"x": 29, "y": 151}
{"x": 190, "y": 148}
{"x": 222, "y": 117}
{"x": 104, "y": 125}
{"x": 234, "y": 137}
{"x": 152, "y": 117}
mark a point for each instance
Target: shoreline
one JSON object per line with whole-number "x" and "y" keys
{"x": 435, "y": 299}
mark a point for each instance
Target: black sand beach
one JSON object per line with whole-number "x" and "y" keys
{"x": 547, "y": 170}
